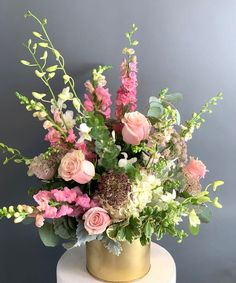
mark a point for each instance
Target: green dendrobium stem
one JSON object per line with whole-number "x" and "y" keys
{"x": 58, "y": 56}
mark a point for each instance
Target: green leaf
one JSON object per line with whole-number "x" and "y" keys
{"x": 39, "y": 74}
{"x": 194, "y": 219}
{"x": 24, "y": 62}
{"x": 194, "y": 230}
{"x": 66, "y": 79}
{"x": 148, "y": 230}
{"x": 38, "y": 95}
{"x": 52, "y": 68}
{"x": 114, "y": 247}
{"x": 83, "y": 236}
{"x": 216, "y": 203}
{"x": 37, "y": 34}
{"x": 173, "y": 97}
{"x": 43, "y": 44}
{"x": 65, "y": 228}
{"x": 48, "y": 236}
{"x": 216, "y": 184}
{"x": 204, "y": 213}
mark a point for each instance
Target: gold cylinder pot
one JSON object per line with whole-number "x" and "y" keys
{"x": 133, "y": 263}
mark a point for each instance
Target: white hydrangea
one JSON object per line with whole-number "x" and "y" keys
{"x": 142, "y": 191}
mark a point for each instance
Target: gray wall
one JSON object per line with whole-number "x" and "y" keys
{"x": 189, "y": 46}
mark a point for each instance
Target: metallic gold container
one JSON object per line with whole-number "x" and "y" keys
{"x": 133, "y": 263}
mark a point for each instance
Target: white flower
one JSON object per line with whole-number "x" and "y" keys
{"x": 68, "y": 118}
{"x": 84, "y": 133}
{"x": 47, "y": 124}
{"x": 65, "y": 94}
{"x": 168, "y": 197}
{"x": 125, "y": 161}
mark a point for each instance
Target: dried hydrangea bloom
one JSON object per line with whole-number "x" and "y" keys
{"x": 192, "y": 185}
{"x": 178, "y": 149}
{"x": 44, "y": 168}
{"x": 113, "y": 193}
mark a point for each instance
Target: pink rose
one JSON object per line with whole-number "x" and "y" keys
{"x": 74, "y": 167}
{"x": 136, "y": 128}
{"x": 96, "y": 220}
{"x": 86, "y": 173}
{"x": 195, "y": 168}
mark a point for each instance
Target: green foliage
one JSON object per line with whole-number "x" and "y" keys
{"x": 48, "y": 236}
{"x": 104, "y": 144}
{"x": 196, "y": 121}
{"x": 65, "y": 227}
{"x": 114, "y": 247}
{"x": 162, "y": 107}
{"x": 15, "y": 155}
{"x": 204, "y": 213}
{"x": 125, "y": 231}
{"x": 130, "y": 34}
{"x": 83, "y": 236}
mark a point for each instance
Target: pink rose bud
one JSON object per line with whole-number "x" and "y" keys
{"x": 96, "y": 220}
{"x": 136, "y": 128}
{"x": 195, "y": 168}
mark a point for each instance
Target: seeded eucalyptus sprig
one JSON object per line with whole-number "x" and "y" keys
{"x": 196, "y": 121}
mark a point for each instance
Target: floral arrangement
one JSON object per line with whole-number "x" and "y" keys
{"x": 109, "y": 179}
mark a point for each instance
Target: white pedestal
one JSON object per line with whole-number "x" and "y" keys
{"x": 71, "y": 267}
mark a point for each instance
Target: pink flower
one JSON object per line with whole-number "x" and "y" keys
{"x": 89, "y": 86}
{"x": 195, "y": 168}
{"x": 126, "y": 94}
{"x": 104, "y": 99}
{"x": 57, "y": 116}
{"x": 53, "y": 136}
{"x": 74, "y": 167}
{"x": 42, "y": 196}
{"x": 88, "y": 103}
{"x": 86, "y": 173}
{"x": 71, "y": 136}
{"x": 39, "y": 220}
{"x": 83, "y": 201}
{"x": 136, "y": 128}
{"x": 96, "y": 220}
{"x": 64, "y": 210}
{"x": 71, "y": 164}
{"x": 49, "y": 211}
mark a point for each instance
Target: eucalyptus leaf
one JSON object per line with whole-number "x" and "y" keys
{"x": 114, "y": 247}
{"x": 83, "y": 236}
{"x": 48, "y": 236}
{"x": 173, "y": 97}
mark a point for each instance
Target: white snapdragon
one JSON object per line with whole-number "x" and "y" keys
{"x": 123, "y": 162}
{"x": 68, "y": 118}
{"x": 168, "y": 197}
{"x": 84, "y": 131}
{"x": 66, "y": 94}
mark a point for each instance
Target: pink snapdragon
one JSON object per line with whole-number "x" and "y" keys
{"x": 57, "y": 203}
{"x": 71, "y": 138}
{"x": 53, "y": 136}
{"x": 126, "y": 98}
{"x": 99, "y": 99}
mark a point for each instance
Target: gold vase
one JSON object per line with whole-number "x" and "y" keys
{"x": 133, "y": 263}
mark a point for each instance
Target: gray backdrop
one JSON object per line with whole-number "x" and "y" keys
{"x": 189, "y": 46}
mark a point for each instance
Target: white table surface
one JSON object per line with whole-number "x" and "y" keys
{"x": 71, "y": 267}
